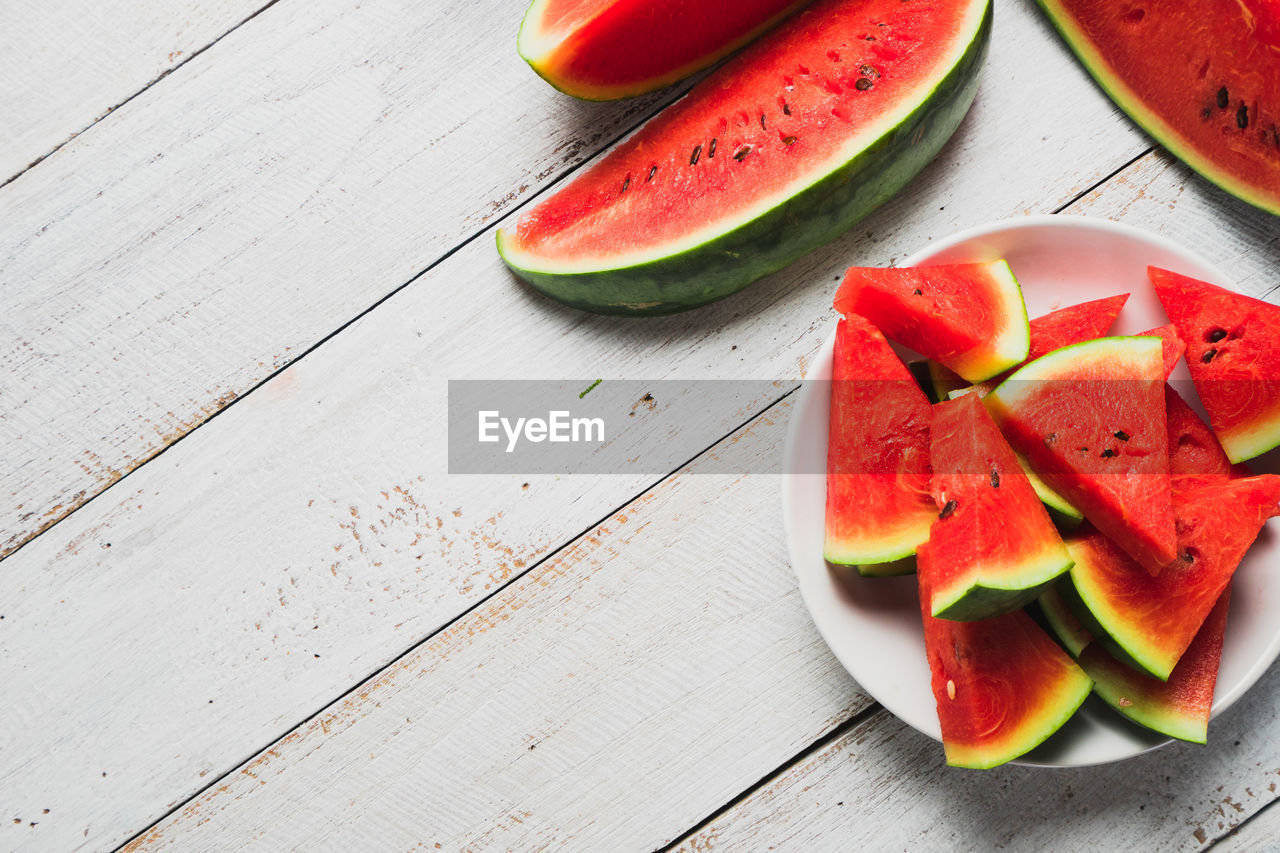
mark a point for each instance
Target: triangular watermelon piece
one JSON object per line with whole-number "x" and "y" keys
{"x": 1233, "y": 352}
{"x": 1171, "y": 345}
{"x": 1001, "y": 685}
{"x": 968, "y": 317}
{"x": 878, "y": 503}
{"x": 994, "y": 545}
{"x": 1194, "y": 451}
{"x": 1150, "y": 621}
{"x": 1090, "y": 419}
{"x": 1178, "y": 707}
{"x": 1055, "y": 330}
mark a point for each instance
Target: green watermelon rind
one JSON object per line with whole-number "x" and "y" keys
{"x": 1061, "y": 510}
{"x": 1241, "y": 445}
{"x": 887, "y": 557}
{"x": 1128, "y": 100}
{"x": 812, "y": 217}
{"x": 1070, "y": 631}
{"x": 1016, "y": 587}
{"x": 1115, "y": 683}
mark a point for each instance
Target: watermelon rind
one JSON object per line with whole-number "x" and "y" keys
{"x": 536, "y": 49}
{"x": 884, "y": 556}
{"x": 1018, "y": 586}
{"x": 1129, "y": 101}
{"x": 1115, "y": 683}
{"x": 1070, "y": 631}
{"x": 1010, "y": 345}
{"x": 813, "y": 210}
{"x": 1061, "y": 510}
{"x": 1092, "y": 610}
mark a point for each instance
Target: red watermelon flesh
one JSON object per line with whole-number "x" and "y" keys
{"x": 1178, "y": 707}
{"x": 1090, "y": 419}
{"x": 1171, "y": 346}
{"x": 1001, "y": 685}
{"x": 1194, "y": 452}
{"x": 993, "y": 544}
{"x": 1233, "y": 352}
{"x": 1152, "y": 620}
{"x": 602, "y": 49}
{"x": 878, "y": 504}
{"x": 1203, "y": 78}
{"x": 967, "y": 317}
{"x": 1057, "y": 329}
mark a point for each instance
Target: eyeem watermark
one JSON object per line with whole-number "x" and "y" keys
{"x": 559, "y": 426}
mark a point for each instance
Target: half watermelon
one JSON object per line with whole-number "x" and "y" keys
{"x": 1233, "y": 352}
{"x": 993, "y": 544}
{"x": 605, "y": 49}
{"x": 779, "y": 151}
{"x": 1202, "y": 78}
{"x": 878, "y": 503}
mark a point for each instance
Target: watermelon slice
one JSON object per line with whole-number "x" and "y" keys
{"x": 878, "y": 504}
{"x": 605, "y": 49}
{"x": 968, "y": 317}
{"x": 1071, "y": 325}
{"x": 1150, "y": 621}
{"x": 1202, "y": 78}
{"x": 1178, "y": 707}
{"x": 1070, "y": 630}
{"x": 1090, "y": 418}
{"x": 1001, "y": 685}
{"x": 993, "y": 544}
{"x": 1171, "y": 346}
{"x": 1194, "y": 452}
{"x": 1233, "y": 351}
{"x": 779, "y": 151}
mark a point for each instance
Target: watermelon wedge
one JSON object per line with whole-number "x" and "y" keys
{"x": 1202, "y": 78}
{"x": 1194, "y": 452}
{"x": 605, "y": 49}
{"x": 967, "y": 317}
{"x": 1178, "y": 707}
{"x": 1171, "y": 346}
{"x": 779, "y": 151}
{"x": 1070, "y": 630}
{"x": 1090, "y": 418}
{"x": 1001, "y": 685}
{"x": 1149, "y": 621}
{"x": 993, "y": 544}
{"x": 878, "y": 504}
{"x": 1071, "y": 325}
{"x": 1233, "y": 352}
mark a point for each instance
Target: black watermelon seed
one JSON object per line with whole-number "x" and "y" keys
{"x": 741, "y": 153}
{"x": 863, "y": 84}
{"x": 1242, "y": 117}
{"x": 1224, "y": 98}
{"x": 868, "y": 71}
{"x": 1217, "y": 335}
{"x": 653, "y": 171}
{"x": 1121, "y": 434}
{"x": 697, "y": 152}
{"x": 711, "y": 152}
{"x": 786, "y": 108}
{"x": 947, "y": 508}
{"x": 626, "y": 183}
{"x": 1208, "y": 355}
{"x": 762, "y": 127}
{"x": 918, "y": 292}
{"x": 788, "y": 140}
{"x": 1189, "y": 555}
{"x": 1108, "y": 453}
{"x": 1050, "y": 438}
{"x": 995, "y": 479}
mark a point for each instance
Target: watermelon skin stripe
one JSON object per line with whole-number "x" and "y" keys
{"x": 979, "y": 600}
{"x": 824, "y": 210}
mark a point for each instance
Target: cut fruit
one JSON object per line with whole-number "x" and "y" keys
{"x": 1194, "y": 452}
{"x": 1178, "y": 707}
{"x": 1069, "y": 629}
{"x": 1202, "y": 78}
{"x": 1001, "y": 685}
{"x": 1233, "y": 352}
{"x": 1090, "y": 418}
{"x": 968, "y": 317}
{"x": 1055, "y": 330}
{"x": 993, "y": 544}
{"x": 779, "y": 151}
{"x": 878, "y": 504}
{"x": 1150, "y": 621}
{"x": 605, "y": 49}
{"x": 1171, "y": 346}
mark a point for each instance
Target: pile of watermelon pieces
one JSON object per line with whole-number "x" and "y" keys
{"x": 1072, "y": 522}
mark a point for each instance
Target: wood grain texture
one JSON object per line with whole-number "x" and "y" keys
{"x": 577, "y": 709}
{"x": 887, "y": 783}
{"x": 65, "y": 64}
{"x": 220, "y": 224}
{"x": 1258, "y": 833}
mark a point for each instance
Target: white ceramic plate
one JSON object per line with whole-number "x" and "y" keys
{"x": 873, "y": 624}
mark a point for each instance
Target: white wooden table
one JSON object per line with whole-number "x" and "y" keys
{"x": 243, "y": 248}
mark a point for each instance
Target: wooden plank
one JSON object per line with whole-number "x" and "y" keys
{"x": 223, "y": 222}
{"x": 576, "y": 710}
{"x": 214, "y": 228}
{"x": 64, "y": 65}
{"x": 884, "y": 780}
{"x": 1257, "y": 832}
